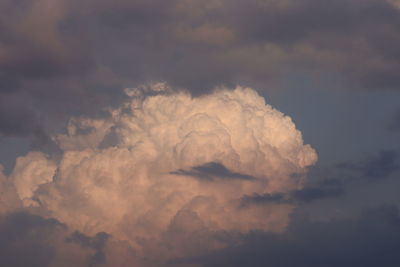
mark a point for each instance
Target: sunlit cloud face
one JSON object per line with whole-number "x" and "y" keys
{"x": 166, "y": 165}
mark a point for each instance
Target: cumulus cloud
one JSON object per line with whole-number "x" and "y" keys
{"x": 152, "y": 185}
{"x": 29, "y": 172}
{"x": 31, "y": 240}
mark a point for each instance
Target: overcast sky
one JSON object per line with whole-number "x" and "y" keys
{"x": 200, "y": 133}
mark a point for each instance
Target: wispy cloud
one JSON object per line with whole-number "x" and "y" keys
{"x": 211, "y": 171}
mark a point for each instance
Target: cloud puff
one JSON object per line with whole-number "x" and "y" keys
{"x": 31, "y": 240}
{"x": 137, "y": 190}
{"x": 29, "y": 172}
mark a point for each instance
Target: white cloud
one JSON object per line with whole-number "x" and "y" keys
{"x": 29, "y": 172}
{"x": 132, "y": 191}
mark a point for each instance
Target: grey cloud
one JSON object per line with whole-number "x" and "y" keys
{"x": 23, "y": 240}
{"x": 37, "y": 60}
{"x": 76, "y": 58}
{"x": 109, "y": 140}
{"x": 8, "y": 83}
{"x": 16, "y": 117}
{"x": 276, "y": 198}
{"x": 379, "y": 166}
{"x": 372, "y": 239}
{"x": 31, "y": 240}
{"x": 97, "y": 242}
{"x": 34, "y": 43}
{"x": 296, "y": 21}
{"x": 211, "y": 171}
{"x": 19, "y": 119}
{"x": 178, "y": 48}
{"x": 327, "y": 189}
{"x": 375, "y": 167}
{"x": 352, "y": 31}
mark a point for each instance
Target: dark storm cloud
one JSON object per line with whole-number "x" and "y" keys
{"x": 372, "y": 239}
{"x": 211, "y": 171}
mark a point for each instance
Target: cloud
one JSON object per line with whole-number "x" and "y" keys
{"x": 29, "y": 172}
{"x": 371, "y": 239}
{"x": 76, "y": 59}
{"x": 326, "y": 189}
{"x": 131, "y": 189}
{"x": 9, "y": 200}
{"x": 335, "y": 181}
{"x": 41, "y": 44}
{"x": 212, "y": 170}
{"x": 98, "y": 243}
{"x": 121, "y": 173}
{"x": 27, "y": 239}
{"x": 379, "y": 166}
{"x": 247, "y": 42}
{"x": 31, "y": 240}
{"x": 16, "y": 120}
{"x": 24, "y": 234}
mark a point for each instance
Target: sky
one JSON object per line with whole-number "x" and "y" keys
{"x": 192, "y": 133}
